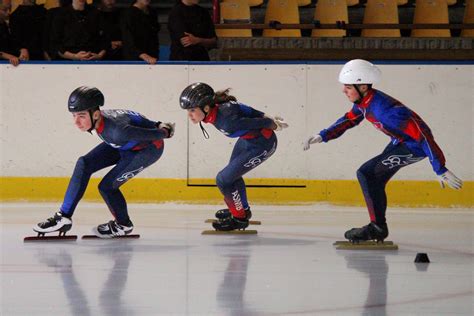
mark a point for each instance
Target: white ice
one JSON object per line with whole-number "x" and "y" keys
{"x": 289, "y": 268}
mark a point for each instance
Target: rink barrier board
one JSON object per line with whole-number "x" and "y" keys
{"x": 405, "y": 193}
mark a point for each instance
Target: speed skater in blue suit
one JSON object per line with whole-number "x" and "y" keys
{"x": 130, "y": 143}
{"x": 411, "y": 140}
{"x": 256, "y": 143}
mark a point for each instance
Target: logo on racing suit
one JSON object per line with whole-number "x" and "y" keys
{"x": 129, "y": 174}
{"x": 255, "y": 161}
{"x": 400, "y": 160}
{"x": 237, "y": 200}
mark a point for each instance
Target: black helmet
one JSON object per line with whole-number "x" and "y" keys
{"x": 85, "y": 98}
{"x": 198, "y": 94}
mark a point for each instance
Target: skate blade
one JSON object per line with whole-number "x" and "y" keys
{"x": 50, "y": 238}
{"x": 131, "y": 236}
{"x": 250, "y": 222}
{"x": 346, "y": 242}
{"x": 231, "y": 232}
{"x": 367, "y": 245}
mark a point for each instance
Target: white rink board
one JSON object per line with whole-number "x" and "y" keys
{"x": 38, "y": 137}
{"x": 259, "y": 86}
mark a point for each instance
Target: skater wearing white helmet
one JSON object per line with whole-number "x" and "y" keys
{"x": 411, "y": 141}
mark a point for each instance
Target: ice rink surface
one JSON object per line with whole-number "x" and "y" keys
{"x": 289, "y": 268}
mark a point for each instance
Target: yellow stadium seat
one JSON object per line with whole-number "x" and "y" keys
{"x": 431, "y": 11}
{"x": 329, "y": 12}
{"x": 255, "y": 3}
{"x": 285, "y": 12}
{"x": 251, "y": 3}
{"x": 303, "y": 3}
{"x": 353, "y": 2}
{"x": 468, "y": 18}
{"x": 14, "y": 4}
{"x": 49, "y": 4}
{"x": 234, "y": 11}
{"x": 381, "y": 11}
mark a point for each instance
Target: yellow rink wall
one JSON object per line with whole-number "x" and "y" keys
{"x": 340, "y": 192}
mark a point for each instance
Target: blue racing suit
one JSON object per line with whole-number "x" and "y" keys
{"x": 256, "y": 143}
{"x": 131, "y": 142}
{"x": 411, "y": 141}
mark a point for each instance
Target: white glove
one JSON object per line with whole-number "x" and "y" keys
{"x": 169, "y": 127}
{"x": 450, "y": 179}
{"x": 280, "y": 123}
{"x": 312, "y": 140}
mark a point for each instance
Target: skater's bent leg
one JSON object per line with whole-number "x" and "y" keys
{"x": 131, "y": 163}
{"x": 234, "y": 192}
{"x": 246, "y": 155}
{"x": 98, "y": 158}
{"x": 375, "y": 196}
{"x": 374, "y": 175}
{"x": 115, "y": 200}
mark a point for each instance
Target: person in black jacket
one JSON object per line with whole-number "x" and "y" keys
{"x": 8, "y": 49}
{"x": 49, "y": 52}
{"x": 191, "y": 30}
{"x": 26, "y": 24}
{"x": 110, "y": 25}
{"x": 76, "y": 33}
{"x": 140, "y": 32}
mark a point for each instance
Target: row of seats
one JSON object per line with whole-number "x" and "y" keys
{"x": 48, "y": 4}
{"x": 331, "y": 11}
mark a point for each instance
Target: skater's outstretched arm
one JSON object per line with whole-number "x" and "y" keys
{"x": 349, "y": 120}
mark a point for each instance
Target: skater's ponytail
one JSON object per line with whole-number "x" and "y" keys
{"x": 223, "y": 96}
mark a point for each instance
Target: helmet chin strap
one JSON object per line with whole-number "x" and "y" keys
{"x": 203, "y": 130}
{"x": 356, "y": 87}
{"x": 92, "y": 122}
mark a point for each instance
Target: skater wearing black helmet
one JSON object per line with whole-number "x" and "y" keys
{"x": 411, "y": 141}
{"x": 256, "y": 143}
{"x": 131, "y": 143}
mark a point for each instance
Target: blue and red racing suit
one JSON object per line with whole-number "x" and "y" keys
{"x": 131, "y": 142}
{"x": 411, "y": 141}
{"x": 256, "y": 143}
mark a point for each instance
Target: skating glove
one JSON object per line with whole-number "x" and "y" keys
{"x": 312, "y": 140}
{"x": 169, "y": 127}
{"x": 279, "y": 122}
{"x": 450, "y": 179}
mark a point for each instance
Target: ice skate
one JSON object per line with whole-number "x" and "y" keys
{"x": 58, "y": 223}
{"x": 368, "y": 232}
{"x": 112, "y": 230}
{"x": 224, "y": 213}
{"x": 369, "y": 237}
{"x": 231, "y": 225}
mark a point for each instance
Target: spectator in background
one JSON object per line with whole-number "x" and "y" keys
{"x": 76, "y": 34}
{"x": 110, "y": 25}
{"x": 191, "y": 30}
{"x": 8, "y": 48}
{"x": 140, "y": 30}
{"x": 26, "y": 24}
{"x": 49, "y": 52}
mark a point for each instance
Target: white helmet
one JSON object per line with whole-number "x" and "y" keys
{"x": 359, "y": 71}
